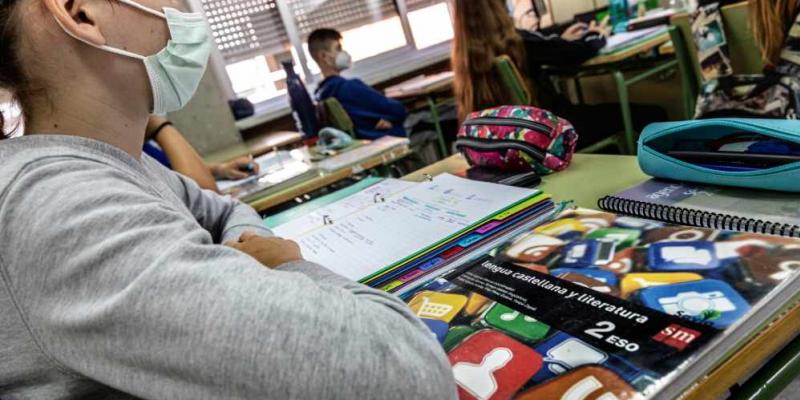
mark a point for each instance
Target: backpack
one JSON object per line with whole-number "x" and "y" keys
{"x": 775, "y": 94}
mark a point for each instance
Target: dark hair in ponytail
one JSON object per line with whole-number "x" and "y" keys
{"x": 12, "y": 79}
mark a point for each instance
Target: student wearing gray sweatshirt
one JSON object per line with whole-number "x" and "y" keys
{"x": 120, "y": 279}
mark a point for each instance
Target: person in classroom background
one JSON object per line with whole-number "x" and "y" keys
{"x": 122, "y": 279}
{"x": 373, "y": 114}
{"x": 165, "y": 143}
{"x": 485, "y": 29}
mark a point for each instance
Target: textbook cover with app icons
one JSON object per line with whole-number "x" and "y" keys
{"x": 594, "y": 305}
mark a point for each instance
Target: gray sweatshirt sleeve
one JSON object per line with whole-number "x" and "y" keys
{"x": 226, "y": 218}
{"x": 117, "y": 287}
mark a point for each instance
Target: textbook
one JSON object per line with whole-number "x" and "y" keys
{"x": 393, "y": 224}
{"x": 596, "y": 305}
{"x": 708, "y": 206}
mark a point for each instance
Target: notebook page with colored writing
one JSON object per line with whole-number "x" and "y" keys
{"x": 343, "y": 208}
{"x": 367, "y": 241}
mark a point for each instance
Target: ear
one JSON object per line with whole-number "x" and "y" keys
{"x": 78, "y": 18}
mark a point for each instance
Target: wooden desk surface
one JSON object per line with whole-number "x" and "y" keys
{"x": 628, "y": 52}
{"x": 257, "y": 146}
{"x": 589, "y": 178}
{"x": 439, "y": 83}
{"x": 667, "y": 49}
{"x": 269, "y": 200}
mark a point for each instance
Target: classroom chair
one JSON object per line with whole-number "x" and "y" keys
{"x": 337, "y": 116}
{"x": 512, "y": 80}
{"x": 744, "y": 51}
{"x": 689, "y": 82}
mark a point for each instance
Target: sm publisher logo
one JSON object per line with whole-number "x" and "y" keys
{"x": 677, "y": 336}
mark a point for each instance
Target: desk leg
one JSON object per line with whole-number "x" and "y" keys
{"x": 624, "y": 99}
{"x": 438, "y": 125}
{"x": 625, "y": 105}
{"x": 688, "y": 101}
{"x": 579, "y": 90}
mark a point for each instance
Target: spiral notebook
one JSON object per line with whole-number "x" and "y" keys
{"x": 712, "y": 207}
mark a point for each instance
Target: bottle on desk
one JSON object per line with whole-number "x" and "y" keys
{"x": 303, "y": 109}
{"x": 619, "y": 12}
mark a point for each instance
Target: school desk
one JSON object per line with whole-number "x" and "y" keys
{"x": 257, "y": 146}
{"x": 667, "y": 49}
{"x": 429, "y": 88}
{"x": 628, "y": 59}
{"x": 592, "y": 176}
{"x": 271, "y": 198}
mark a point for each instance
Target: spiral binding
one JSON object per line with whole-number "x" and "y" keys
{"x": 698, "y": 218}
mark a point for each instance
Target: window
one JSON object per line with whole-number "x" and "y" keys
{"x": 359, "y": 21}
{"x": 253, "y": 42}
{"x": 255, "y": 37}
{"x": 430, "y": 21}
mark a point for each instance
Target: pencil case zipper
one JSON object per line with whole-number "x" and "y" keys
{"x": 481, "y": 144}
{"x": 517, "y": 123}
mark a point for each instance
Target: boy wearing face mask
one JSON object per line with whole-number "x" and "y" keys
{"x": 373, "y": 114}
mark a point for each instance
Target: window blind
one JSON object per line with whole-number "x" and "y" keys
{"x": 339, "y": 14}
{"x": 243, "y": 28}
{"x": 417, "y": 4}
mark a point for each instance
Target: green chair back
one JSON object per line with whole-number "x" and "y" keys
{"x": 682, "y": 39}
{"x": 745, "y": 53}
{"x": 337, "y": 116}
{"x": 689, "y": 77}
{"x": 512, "y": 81}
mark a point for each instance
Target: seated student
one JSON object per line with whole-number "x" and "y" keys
{"x": 769, "y": 95}
{"x": 115, "y": 282}
{"x": 484, "y": 30}
{"x": 167, "y": 145}
{"x": 373, "y": 114}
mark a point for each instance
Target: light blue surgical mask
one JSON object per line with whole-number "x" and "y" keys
{"x": 176, "y": 71}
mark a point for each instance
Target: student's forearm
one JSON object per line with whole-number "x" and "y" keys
{"x": 184, "y": 158}
{"x": 224, "y": 217}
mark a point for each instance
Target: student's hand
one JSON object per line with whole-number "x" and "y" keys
{"x": 384, "y": 125}
{"x": 575, "y": 32}
{"x": 239, "y": 168}
{"x": 272, "y": 251}
{"x": 602, "y": 28}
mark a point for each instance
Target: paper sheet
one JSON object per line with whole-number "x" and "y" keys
{"x": 621, "y": 40}
{"x": 369, "y": 240}
{"x": 343, "y": 208}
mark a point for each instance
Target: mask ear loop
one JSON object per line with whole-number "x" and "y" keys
{"x": 143, "y": 8}
{"x": 114, "y": 49}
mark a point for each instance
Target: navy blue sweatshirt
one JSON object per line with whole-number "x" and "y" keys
{"x": 365, "y": 105}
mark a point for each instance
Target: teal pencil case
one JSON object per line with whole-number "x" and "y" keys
{"x": 750, "y": 153}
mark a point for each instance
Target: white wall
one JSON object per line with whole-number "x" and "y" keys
{"x": 564, "y": 10}
{"x": 206, "y": 121}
